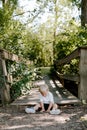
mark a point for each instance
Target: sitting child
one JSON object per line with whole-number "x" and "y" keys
{"x": 46, "y": 103}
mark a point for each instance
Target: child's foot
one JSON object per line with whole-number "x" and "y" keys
{"x": 29, "y": 110}
{"x": 42, "y": 111}
{"x": 55, "y": 112}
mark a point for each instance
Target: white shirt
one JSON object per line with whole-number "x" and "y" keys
{"x": 49, "y": 98}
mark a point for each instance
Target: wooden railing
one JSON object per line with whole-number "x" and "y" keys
{"x": 5, "y": 78}
{"x": 81, "y": 77}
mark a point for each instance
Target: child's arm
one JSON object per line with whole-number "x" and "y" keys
{"x": 42, "y": 107}
{"x": 51, "y": 99}
{"x": 50, "y": 106}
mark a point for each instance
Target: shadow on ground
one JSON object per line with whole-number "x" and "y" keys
{"x": 71, "y": 118}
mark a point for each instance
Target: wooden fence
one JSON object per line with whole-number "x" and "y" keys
{"x": 5, "y": 78}
{"x": 81, "y": 77}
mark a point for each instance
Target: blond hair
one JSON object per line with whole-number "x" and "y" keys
{"x": 43, "y": 88}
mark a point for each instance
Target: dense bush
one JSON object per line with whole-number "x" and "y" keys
{"x": 22, "y": 78}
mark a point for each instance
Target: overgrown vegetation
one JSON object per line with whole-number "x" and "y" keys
{"x": 22, "y": 78}
{"x": 36, "y": 41}
{"x": 66, "y": 43}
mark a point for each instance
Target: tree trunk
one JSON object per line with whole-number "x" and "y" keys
{"x": 55, "y": 26}
{"x": 84, "y": 13}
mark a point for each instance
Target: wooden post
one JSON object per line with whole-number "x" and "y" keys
{"x": 4, "y": 86}
{"x": 82, "y": 90}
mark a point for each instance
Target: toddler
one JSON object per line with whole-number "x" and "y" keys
{"x": 46, "y": 103}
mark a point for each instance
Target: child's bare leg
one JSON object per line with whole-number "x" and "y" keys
{"x": 37, "y": 106}
{"x": 55, "y": 106}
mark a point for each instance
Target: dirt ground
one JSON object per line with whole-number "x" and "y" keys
{"x": 71, "y": 118}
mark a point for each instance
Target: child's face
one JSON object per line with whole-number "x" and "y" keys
{"x": 44, "y": 93}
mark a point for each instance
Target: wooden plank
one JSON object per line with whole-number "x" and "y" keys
{"x": 30, "y": 99}
{"x": 68, "y": 58}
{"x": 13, "y": 57}
{"x": 61, "y": 95}
{"x": 75, "y": 54}
{"x": 4, "y": 86}
{"x": 8, "y": 56}
{"x": 9, "y": 78}
{"x": 82, "y": 92}
{"x": 68, "y": 77}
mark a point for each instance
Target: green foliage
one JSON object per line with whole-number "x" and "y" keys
{"x": 36, "y": 43}
{"x": 76, "y": 2}
{"x": 71, "y": 68}
{"x": 68, "y": 42}
{"x": 23, "y": 76}
{"x": 10, "y": 30}
{"x": 36, "y": 49}
{"x": 11, "y": 37}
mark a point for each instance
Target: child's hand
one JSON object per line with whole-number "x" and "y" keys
{"x": 48, "y": 110}
{"x": 43, "y": 110}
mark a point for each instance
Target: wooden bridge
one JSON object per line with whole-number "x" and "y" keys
{"x": 61, "y": 95}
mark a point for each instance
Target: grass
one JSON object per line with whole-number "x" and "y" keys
{"x": 44, "y": 70}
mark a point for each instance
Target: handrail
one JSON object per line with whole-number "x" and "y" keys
{"x": 7, "y": 79}
{"x": 4, "y": 54}
{"x": 68, "y": 77}
{"x": 81, "y": 77}
{"x": 68, "y": 58}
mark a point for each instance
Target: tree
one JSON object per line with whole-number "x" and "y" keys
{"x": 81, "y": 4}
{"x": 84, "y": 12}
{"x": 10, "y": 29}
{"x": 55, "y": 25}
{"x": 6, "y": 12}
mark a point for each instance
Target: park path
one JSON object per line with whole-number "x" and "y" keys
{"x": 71, "y": 118}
